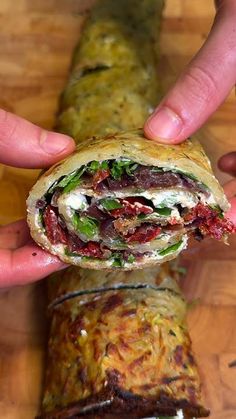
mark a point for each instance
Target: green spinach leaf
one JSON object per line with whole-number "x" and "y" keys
{"x": 118, "y": 261}
{"x": 87, "y": 226}
{"x": 119, "y": 167}
{"x": 170, "y": 249}
{"x": 94, "y": 166}
{"x": 131, "y": 259}
{"x": 72, "y": 180}
{"x": 110, "y": 204}
{"x": 165, "y": 211}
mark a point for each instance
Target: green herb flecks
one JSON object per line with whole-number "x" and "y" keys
{"x": 66, "y": 179}
{"x": 72, "y": 180}
{"x": 110, "y": 204}
{"x": 94, "y": 166}
{"x": 170, "y": 249}
{"x": 87, "y": 226}
{"x": 118, "y": 261}
{"x": 119, "y": 167}
{"x": 131, "y": 259}
{"x": 131, "y": 168}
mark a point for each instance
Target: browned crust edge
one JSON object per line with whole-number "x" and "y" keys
{"x": 117, "y": 403}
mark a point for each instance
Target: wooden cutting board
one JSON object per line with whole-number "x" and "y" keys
{"x": 36, "y": 41}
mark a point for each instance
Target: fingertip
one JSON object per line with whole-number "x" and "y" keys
{"x": 23, "y": 144}
{"x": 55, "y": 144}
{"x": 42, "y": 261}
{"x": 148, "y": 131}
{"x": 164, "y": 126}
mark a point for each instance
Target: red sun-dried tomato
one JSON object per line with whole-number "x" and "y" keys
{"x": 209, "y": 221}
{"x": 144, "y": 234}
{"x": 55, "y": 233}
{"x": 132, "y": 206}
{"x": 99, "y": 176}
{"x": 91, "y": 249}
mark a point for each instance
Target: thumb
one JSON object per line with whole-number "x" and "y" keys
{"x": 203, "y": 85}
{"x": 23, "y": 144}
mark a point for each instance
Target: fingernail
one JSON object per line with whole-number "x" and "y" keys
{"x": 53, "y": 143}
{"x": 165, "y": 124}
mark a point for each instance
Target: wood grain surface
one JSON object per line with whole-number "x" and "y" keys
{"x": 36, "y": 41}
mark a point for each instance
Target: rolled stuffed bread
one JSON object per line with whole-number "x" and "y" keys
{"x": 123, "y": 201}
{"x": 119, "y": 347}
{"x": 118, "y": 344}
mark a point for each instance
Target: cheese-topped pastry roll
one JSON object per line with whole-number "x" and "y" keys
{"x": 119, "y": 347}
{"x": 113, "y": 85}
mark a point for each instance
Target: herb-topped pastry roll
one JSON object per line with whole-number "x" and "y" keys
{"x": 119, "y": 347}
{"x": 113, "y": 84}
{"x": 123, "y": 201}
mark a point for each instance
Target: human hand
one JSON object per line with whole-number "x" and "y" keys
{"x": 203, "y": 85}
{"x": 227, "y": 163}
{"x": 23, "y": 144}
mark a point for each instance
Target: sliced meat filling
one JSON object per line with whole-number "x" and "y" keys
{"x": 122, "y": 211}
